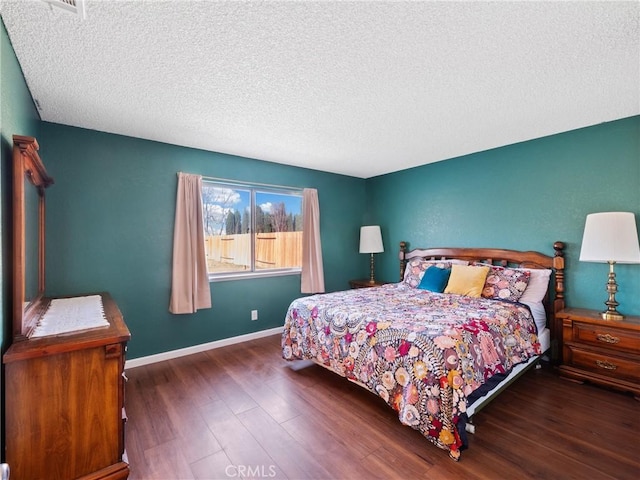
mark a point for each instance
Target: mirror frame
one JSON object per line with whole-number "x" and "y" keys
{"x": 28, "y": 170}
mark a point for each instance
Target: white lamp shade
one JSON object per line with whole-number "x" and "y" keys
{"x": 371, "y": 239}
{"x": 610, "y": 236}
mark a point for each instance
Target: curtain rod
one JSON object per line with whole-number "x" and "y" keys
{"x": 249, "y": 184}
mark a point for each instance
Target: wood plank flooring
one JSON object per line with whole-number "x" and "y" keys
{"x": 243, "y": 412}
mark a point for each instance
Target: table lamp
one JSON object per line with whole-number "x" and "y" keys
{"x": 610, "y": 237}
{"x": 371, "y": 242}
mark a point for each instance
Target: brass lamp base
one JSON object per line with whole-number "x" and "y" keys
{"x": 372, "y": 280}
{"x": 612, "y": 287}
{"x": 616, "y": 316}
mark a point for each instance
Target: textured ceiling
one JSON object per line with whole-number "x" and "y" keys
{"x": 359, "y": 88}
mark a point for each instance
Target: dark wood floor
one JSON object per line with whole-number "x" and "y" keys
{"x": 243, "y": 412}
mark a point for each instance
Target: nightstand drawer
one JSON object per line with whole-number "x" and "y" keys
{"x": 603, "y": 364}
{"x": 620, "y": 340}
{"x": 601, "y": 351}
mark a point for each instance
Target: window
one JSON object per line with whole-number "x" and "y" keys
{"x": 251, "y": 230}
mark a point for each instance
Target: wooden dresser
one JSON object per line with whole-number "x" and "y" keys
{"x": 65, "y": 403}
{"x": 601, "y": 351}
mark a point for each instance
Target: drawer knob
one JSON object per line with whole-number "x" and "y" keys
{"x": 606, "y": 365}
{"x": 113, "y": 351}
{"x": 606, "y": 338}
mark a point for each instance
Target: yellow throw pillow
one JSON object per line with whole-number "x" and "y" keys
{"x": 467, "y": 280}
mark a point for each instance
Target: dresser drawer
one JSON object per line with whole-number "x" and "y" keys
{"x": 605, "y": 364}
{"x": 618, "y": 339}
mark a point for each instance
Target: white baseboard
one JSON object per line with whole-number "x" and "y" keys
{"x": 159, "y": 357}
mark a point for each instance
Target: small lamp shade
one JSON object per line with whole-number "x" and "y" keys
{"x": 371, "y": 239}
{"x": 610, "y": 237}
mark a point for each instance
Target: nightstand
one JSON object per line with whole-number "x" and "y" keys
{"x": 365, "y": 283}
{"x": 604, "y": 352}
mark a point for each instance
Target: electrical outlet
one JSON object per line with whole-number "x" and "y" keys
{"x": 254, "y": 314}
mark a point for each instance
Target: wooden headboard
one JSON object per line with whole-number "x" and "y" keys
{"x": 553, "y": 301}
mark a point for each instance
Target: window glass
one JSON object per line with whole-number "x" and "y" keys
{"x": 278, "y": 239}
{"x": 250, "y": 229}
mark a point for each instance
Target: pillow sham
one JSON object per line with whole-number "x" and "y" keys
{"x": 467, "y": 280}
{"x": 504, "y": 283}
{"x": 435, "y": 279}
{"x": 538, "y": 284}
{"x": 534, "y": 294}
{"x": 417, "y": 266}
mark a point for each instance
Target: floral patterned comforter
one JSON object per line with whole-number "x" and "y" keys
{"x": 422, "y": 352}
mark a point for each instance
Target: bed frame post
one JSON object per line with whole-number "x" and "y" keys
{"x": 558, "y": 266}
{"x": 403, "y": 261}
{"x": 558, "y": 302}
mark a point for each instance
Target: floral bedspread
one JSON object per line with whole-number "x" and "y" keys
{"x": 422, "y": 352}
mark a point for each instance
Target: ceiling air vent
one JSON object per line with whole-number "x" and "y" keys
{"x": 73, "y": 6}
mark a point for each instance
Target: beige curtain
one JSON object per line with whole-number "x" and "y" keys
{"x": 312, "y": 272}
{"x": 189, "y": 280}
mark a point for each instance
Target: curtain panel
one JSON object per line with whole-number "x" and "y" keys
{"x": 312, "y": 278}
{"x": 190, "y": 289}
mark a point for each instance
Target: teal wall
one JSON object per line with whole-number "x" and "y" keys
{"x": 17, "y": 116}
{"x": 523, "y": 196}
{"x": 110, "y": 220}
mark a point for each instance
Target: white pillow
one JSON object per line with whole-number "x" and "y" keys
{"x": 535, "y": 292}
{"x": 538, "y": 285}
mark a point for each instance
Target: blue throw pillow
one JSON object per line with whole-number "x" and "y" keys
{"x": 435, "y": 279}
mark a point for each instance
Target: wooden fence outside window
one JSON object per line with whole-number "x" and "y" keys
{"x": 273, "y": 250}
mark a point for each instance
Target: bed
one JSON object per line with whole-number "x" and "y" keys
{"x": 459, "y": 326}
